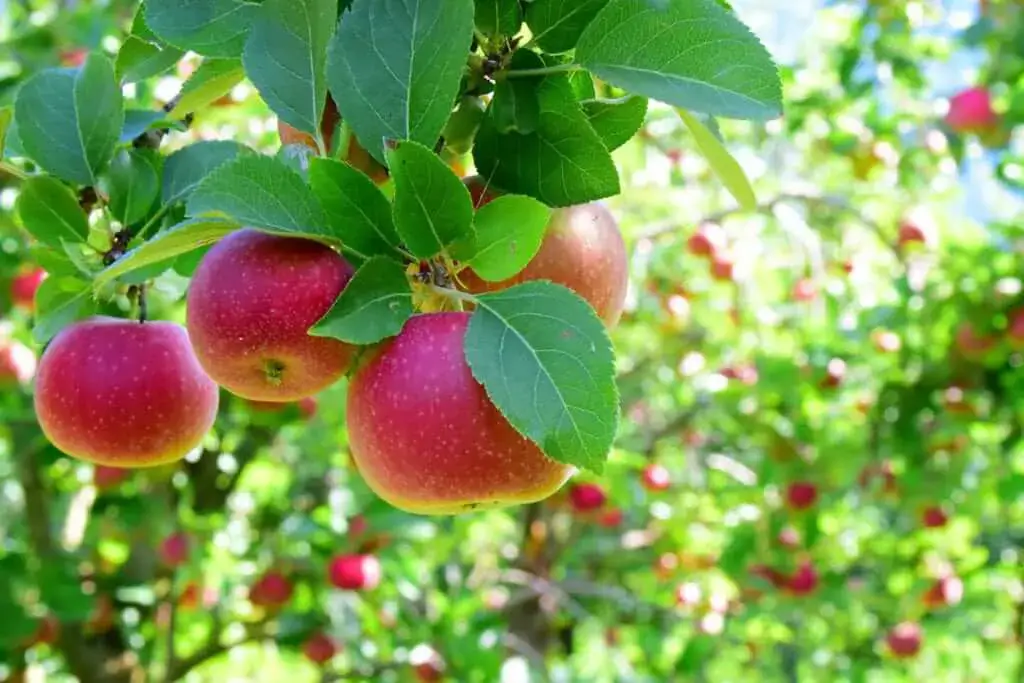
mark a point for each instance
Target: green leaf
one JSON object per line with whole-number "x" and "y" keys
{"x": 184, "y": 169}
{"x": 138, "y": 121}
{"x": 261, "y": 192}
{"x": 704, "y": 58}
{"x": 69, "y": 120}
{"x": 213, "y": 28}
{"x": 357, "y": 211}
{"x": 558, "y": 24}
{"x": 498, "y": 17}
{"x": 562, "y": 163}
{"x": 583, "y": 85}
{"x": 432, "y": 207}
{"x": 139, "y": 59}
{"x": 53, "y": 261}
{"x": 6, "y": 115}
{"x": 296, "y": 156}
{"x": 508, "y": 233}
{"x": 50, "y": 212}
{"x": 373, "y": 306}
{"x": 211, "y": 80}
{"x": 174, "y": 241}
{"x": 545, "y": 359}
{"x": 699, "y": 648}
{"x": 515, "y": 107}
{"x": 60, "y": 301}
{"x": 400, "y": 83}
{"x": 616, "y": 121}
{"x": 285, "y": 58}
{"x": 132, "y": 182}
{"x": 722, "y": 163}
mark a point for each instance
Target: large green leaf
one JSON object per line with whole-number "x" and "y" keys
{"x": 498, "y": 17}
{"x": 211, "y": 80}
{"x": 50, "y": 212}
{"x": 616, "y": 121}
{"x": 132, "y": 183}
{"x": 545, "y": 359}
{"x": 704, "y": 59}
{"x": 139, "y": 59}
{"x": 432, "y": 207}
{"x": 184, "y": 169}
{"x": 60, "y": 301}
{"x": 69, "y": 120}
{"x": 558, "y": 24}
{"x": 395, "y": 66}
{"x": 213, "y": 28}
{"x": 356, "y": 209}
{"x": 374, "y": 305}
{"x": 285, "y": 58}
{"x": 507, "y": 234}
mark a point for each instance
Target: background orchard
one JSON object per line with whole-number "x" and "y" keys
{"x": 819, "y": 471}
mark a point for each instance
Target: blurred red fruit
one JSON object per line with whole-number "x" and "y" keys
{"x": 174, "y": 550}
{"x": 105, "y": 477}
{"x": 307, "y": 407}
{"x": 801, "y": 495}
{"x": 17, "y": 363}
{"x": 970, "y": 111}
{"x": 1015, "y": 329}
{"x": 904, "y": 640}
{"x": 803, "y": 581}
{"x": 934, "y": 517}
{"x": 722, "y": 268}
{"x": 706, "y": 240}
{"x": 24, "y": 286}
{"x": 319, "y": 648}
{"x": 913, "y": 235}
{"x": 612, "y": 518}
{"x": 747, "y": 374}
{"x": 789, "y": 538}
{"x": 271, "y": 590}
{"x": 357, "y": 525}
{"x": 354, "y": 572}
{"x": 656, "y": 477}
{"x": 945, "y": 592}
{"x": 972, "y": 344}
{"x": 805, "y": 290}
{"x": 587, "y": 497}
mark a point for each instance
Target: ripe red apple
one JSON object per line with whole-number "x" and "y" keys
{"x": 970, "y": 111}
{"x": 272, "y": 590}
{"x": 722, "y": 268}
{"x": 805, "y": 290}
{"x": 17, "y": 363}
{"x": 934, "y": 517}
{"x": 354, "y": 572}
{"x": 308, "y": 407}
{"x": 804, "y": 580}
{"x": 587, "y": 497}
{"x": 104, "y": 477}
{"x": 354, "y": 153}
{"x": 123, "y": 393}
{"x": 913, "y": 235}
{"x": 904, "y": 640}
{"x": 426, "y": 437}
{"x": 801, "y": 495}
{"x": 706, "y": 241}
{"x": 24, "y": 286}
{"x": 582, "y": 250}
{"x": 174, "y": 550}
{"x": 251, "y": 303}
{"x": 611, "y": 518}
{"x": 945, "y": 592}
{"x": 319, "y": 648}
{"x": 656, "y": 477}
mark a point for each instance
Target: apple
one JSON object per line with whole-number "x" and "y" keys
{"x": 722, "y": 268}
{"x": 904, "y": 640}
{"x": 587, "y": 497}
{"x": 970, "y": 111}
{"x": 272, "y": 590}
{"x": 945, "y": 592}
{"x": 122, "y": 393}
{"x": 354, "y": 572}
{"x": 611, "y": 518}
{"x": 24, "y": 286}
{"x": 17, "y": 363}
{"x": 424, "y": 434}
{"x": 1015, "y": 328}
{"x": 73, "y": 57}
{"x": 427, "y": 664}
{"x": 934, "y": 517}
{"x": 251, "y": 303}
{"x": 805, "y": 290}
{"x": 706, "y": 241}
{"x": 972, "y": 344}
{"x": 188, "y": 598}
{"x": 104, "y": 477}
{"x": 801, "y": 495}
{"x": 357, "y": 526}
{"x": 354, "y": 153}
{"x": 319, "y": 648}
{"x": 308, "y": 407}
{"x": 656, "y": 477}
{"x": 174, "y": 550}
{"x": 582, "y": 250}
{"x": 804, "y": 580}
{"x": 835, "y": 371}
{"x": 913, "y": 235}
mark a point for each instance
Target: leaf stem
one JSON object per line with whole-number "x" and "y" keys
{"x": 544, "y": 71}
{"x": 454, "y": 294}
{"x": 154, "y": 220}
{"x": 8, "y": 167}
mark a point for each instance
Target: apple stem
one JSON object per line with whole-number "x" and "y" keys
{"x": 137, "y": 294}
{"x": 274, "y": 370}
{"x": 454, "y": 294}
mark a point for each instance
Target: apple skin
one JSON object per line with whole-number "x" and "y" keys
{"x": 174, "y": 550}
{"x": 904, "y": 640}
{"x": 970, "y": 111}
{"x": 426, "y": 437}
{"x": 801, "y": 495}
{"x": 319, "y": 648}
{"x": 120, "y": 393}
{"x": 272, "y": 590}
{"x": 251, "y": 303}
{"x": 803, "y": 581}
{"x": 17, "y": 363}
{"x": 24, "y": 286}
{"x": 612, "y": 518}
{"x": 706, "y": 240}
{"x": 934, "y": 517}
{"x": 582, "y": 250}
{"x": 354, "y": 572}
{"x": 355, "y": 154}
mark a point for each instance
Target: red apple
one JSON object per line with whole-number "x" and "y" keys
{"x": 587, "y": 497}
{"x": 805, "y": 290}
{"x": 970, "y": 111}
{"x": 804, "y": 580}
{"x": 426, "y": 437}
{"x": 904, "y": 640}
{"x": 319, "y": 648}
{"x": 308, "y": 407}
{"x": 722, "y": 268}
{"x": 611, "y": 518}
{"x": 656, "y": 477}
{"x": 945, "y": 592}
{"x": 24, "y": 286}
{"x": 174, "y": 550}
{"x": 427, "y": 664}
{"x": 354, "y": 572}
{"x": 801, "y": 495}
{"x": 353, "y": 153}
{"x": 934, "y": 517}
{"x": 913, "y": 235}
{"x": 123, "y": 393}
{"x": 582, "y": 250}
{"x": 251, "y": 303}
{"x": 835, "y": 371}
{"x": 706, "y": 241}
{"x": 104, "y": 477}
{"x": 272, "y": 590}
{"x": 17, "y": 363}
{"x": 1015, "y": 329}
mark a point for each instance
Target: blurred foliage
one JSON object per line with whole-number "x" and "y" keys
{"x": 883, "y": 372}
